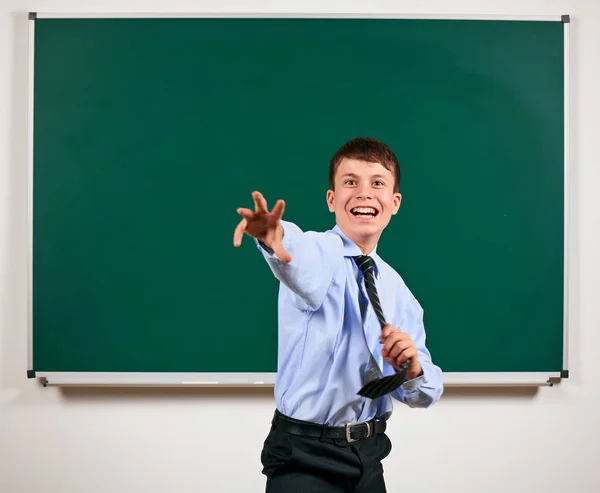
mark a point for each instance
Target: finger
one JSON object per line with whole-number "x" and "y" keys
{"x": 278, "y": 209}
{"x": 387, "y": 330}
{"x": 392, "y": 335}
{"x": 239, "y": 233}
{"x": 389, "y": 343}
{"x": 398, "y": 348}
{"x": 394, "y": 339}
{"x": 410, "y": 353}
{"x": 260, "y": 204}
{"x": 246, "y": 213}
{"x": 281, "y": 252}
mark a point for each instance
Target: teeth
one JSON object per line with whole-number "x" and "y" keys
{"x": 364, "y": 210}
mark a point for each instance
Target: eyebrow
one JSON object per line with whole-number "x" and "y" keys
{"x": 354, "y": 175}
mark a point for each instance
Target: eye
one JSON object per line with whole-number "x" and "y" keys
{"x": 378, "y": 183}
{"x": 349, "y": 182}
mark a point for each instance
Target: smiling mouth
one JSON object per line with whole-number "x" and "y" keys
{"x": 364, "y": 212}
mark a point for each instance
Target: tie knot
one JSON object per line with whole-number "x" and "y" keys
{"x": 364, "y": 263}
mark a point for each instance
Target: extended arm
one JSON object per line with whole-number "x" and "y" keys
{"x": 304, "y": 262}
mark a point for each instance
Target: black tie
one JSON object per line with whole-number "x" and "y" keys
{"x": 379, "y": 386}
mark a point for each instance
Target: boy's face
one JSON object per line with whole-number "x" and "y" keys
{"x": 363, "y": 201}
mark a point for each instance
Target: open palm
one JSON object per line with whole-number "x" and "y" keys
{"x": 263, "y": 225}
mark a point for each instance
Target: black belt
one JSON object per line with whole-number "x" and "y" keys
{"x": 352, "y": 432}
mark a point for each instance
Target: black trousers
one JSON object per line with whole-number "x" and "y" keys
{"x": 301, "y": 464}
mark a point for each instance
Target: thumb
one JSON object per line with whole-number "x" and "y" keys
{"x": 281, "y": 252}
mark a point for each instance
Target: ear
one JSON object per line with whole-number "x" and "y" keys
{"x": 397, "y": 199}
{"x": 330, "y": 197}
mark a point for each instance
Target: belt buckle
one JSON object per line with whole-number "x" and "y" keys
{"x": 349, "y": 426}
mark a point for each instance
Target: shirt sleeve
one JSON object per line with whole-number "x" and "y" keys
{"x": 314, "y": 258}
{"x": 427, "y": 388}
{"x": 424, "y": 390}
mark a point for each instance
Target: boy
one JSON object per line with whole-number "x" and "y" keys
{"x": 336, "y": 335}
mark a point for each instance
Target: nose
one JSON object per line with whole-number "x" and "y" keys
{"x": 364, "y": 192}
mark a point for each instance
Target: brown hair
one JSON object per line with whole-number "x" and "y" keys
{"x": 366, "y": 149}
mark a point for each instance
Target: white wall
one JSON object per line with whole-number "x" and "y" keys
{"x": 184, "y": 440}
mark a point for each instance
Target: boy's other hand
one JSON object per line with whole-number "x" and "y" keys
{"x": 263, "y": 225}
{"x": 397, "y": 348}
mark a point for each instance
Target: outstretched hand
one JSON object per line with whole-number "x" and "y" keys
{"x": 263, "y": 225}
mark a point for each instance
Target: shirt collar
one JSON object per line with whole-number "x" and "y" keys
{"x": 351, "y": 250}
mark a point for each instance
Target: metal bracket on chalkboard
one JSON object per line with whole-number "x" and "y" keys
{"x": 565, "y": 18}
{"x": 43, "y": 380}
{"x": 557, "y": 379}
{"x": 32, "y": 16}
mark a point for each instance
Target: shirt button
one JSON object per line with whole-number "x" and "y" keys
{"x": 372, "y": 370}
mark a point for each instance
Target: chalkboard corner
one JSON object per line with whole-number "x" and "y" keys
{"x": 32, "y": 16}
{"x": 564, "y": 374}
{"x": 30, "y": 373}
{"x": 565, "y": 18}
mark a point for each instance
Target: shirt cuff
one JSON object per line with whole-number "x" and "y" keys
{"x": 264, "y": 248}
{"x": 414, "y": 384}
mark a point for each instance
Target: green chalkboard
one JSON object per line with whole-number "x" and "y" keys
{"x": 148, "y": 133}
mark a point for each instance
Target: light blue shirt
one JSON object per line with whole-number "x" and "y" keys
{"x": 329, "y": 334}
